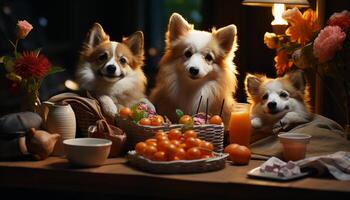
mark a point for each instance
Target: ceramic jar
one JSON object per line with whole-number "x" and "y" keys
{"x": 60, "y": 119}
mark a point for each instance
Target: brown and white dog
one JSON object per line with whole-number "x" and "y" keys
{"x": 111, "y": 70}
{"x": 282, "y": 100}
{"x": 196, "y": 63}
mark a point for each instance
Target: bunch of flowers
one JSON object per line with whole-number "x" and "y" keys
{"x": 302, "y": 29}
{"x": 27, "y": 69}
{"x": 305, "y": 45}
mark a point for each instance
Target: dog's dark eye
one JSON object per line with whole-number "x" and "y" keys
{"x": 103, "y": 56}
{"x": 265, "y": 96}
{"x": 122, "y": 60}
{"x": 283, "y": 95}
{"x": 209, "y": 58}
{"x": 188, "y": 54}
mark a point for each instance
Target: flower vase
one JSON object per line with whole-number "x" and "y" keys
{"x": 29, "y": 100}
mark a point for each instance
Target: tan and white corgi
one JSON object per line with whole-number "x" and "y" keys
{"x": 284, "y": 100}
{"x": 112, "y": 71}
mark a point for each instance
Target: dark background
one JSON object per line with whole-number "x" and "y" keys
{"x": 60, "y": 28}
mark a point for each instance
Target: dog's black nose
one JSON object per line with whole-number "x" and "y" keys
{"x": 272, "y": 105}
{"x": 194, "y": 71}
{"x": 111, "y": 69}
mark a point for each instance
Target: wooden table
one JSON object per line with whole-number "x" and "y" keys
{"x": 56, "y": 177}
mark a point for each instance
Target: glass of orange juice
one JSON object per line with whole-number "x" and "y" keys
{"x": 240, "y": 124}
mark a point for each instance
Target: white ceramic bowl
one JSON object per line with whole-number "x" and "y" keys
{"x": 87, "y": 152}
{"x": 294, "y": 145}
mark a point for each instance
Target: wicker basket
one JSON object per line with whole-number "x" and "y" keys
{"x": 179, "y": 166}
{"x": 138, "y": 133}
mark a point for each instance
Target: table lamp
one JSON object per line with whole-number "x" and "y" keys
{"x": 278, "y": 7}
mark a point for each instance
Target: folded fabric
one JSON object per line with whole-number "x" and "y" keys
{"x": 337, "y": 164}
{"x": 327, "y": 138}
{"x": 16, "y": 124}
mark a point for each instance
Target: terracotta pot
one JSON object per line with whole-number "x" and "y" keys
{"x": 59, "y": 118}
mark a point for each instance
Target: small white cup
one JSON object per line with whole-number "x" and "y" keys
{"x": 294, "y": 145}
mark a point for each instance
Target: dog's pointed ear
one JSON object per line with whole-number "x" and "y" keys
{"x": 298, "y": 79}
{"x": 96, "y": 36}
{"x": 135, "y": 42}
{"x": 252, "y": 84}
{"x": 226, "y": 38}
{"x": 177, "y": 27}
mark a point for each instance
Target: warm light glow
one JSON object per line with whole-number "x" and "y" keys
{"x": 277, "y": 11}
{"x": 71, "y": 85}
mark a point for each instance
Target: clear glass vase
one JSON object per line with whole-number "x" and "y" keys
{"x": 29, "y": 100}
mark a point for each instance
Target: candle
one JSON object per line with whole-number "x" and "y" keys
{"x": 240, "y": 125}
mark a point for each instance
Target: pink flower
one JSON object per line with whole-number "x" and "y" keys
{"x": 328, "y": 41}
{"x": 23, "y": 28}
{"x": 341, "y": 19}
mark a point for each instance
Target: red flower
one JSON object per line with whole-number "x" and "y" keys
{"x": 32, "y": 65}
{"x": 341, "y": 19}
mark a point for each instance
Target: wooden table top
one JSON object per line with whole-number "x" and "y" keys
{"x": 115, "y": 176}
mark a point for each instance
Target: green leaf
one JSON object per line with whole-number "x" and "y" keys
{"x": 8, "y": 62}
{"x": 188, "y": 126}
{"x": 55, "y": 69}
{"x": 179, "y": 113}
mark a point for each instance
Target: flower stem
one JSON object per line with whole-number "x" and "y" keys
{"x": 340, "y": 106}
{"x": 347, "y": 96}
{"x": 15, "y": 51}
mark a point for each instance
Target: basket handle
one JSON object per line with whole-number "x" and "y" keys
{"x": 103, "y": 127}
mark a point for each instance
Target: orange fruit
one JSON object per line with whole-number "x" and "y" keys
{"x": 140, "y": 148}
{"x": 150, "y": 150}
{"x": 156, "y": 121}
{"x": 238, "y": 154}
{"x": 159, "y": 156}
{"x": 185, "y": 119}
{"x": 174, "y": 134}
{"x": 193, "y": 153}
{"x": 145, "y": 121}
{"x": 216, "y": 119}
{"x": 125, "y": 112}
{"x": 190, "y": 133}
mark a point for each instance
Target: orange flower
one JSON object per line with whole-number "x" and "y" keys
{"x": 283, "y": 63}
{"x": 302, "y": 26}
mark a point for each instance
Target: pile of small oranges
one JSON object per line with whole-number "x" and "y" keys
{"x": 175, "y": 145}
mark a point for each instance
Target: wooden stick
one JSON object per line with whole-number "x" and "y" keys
{"x": 206, "y": 111}
{"x": 222, "y": 107}
{"x": 199, "y": 104}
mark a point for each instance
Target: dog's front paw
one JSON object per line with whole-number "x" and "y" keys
{"x": 291, "y": 119}
{"x": 109, "y": 109}
{"x": 256, "y": 123}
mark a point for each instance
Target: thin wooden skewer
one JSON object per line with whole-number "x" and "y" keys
{"x": 206, "y": 111}
{"x": 199, "y": 104}
{"x": 222, "y": 107}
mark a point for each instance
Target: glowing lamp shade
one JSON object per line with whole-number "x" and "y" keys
{"x": 278, "y": 7}
{"x": 269, "y": 3}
